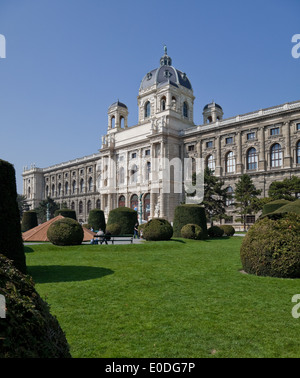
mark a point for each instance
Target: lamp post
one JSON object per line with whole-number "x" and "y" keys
{"x": 141, "y": 209}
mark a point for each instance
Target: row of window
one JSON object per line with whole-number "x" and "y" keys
{"x": 66, "y": 187}
{"x": 252, "y": 158}
{"x": 90, "y": 170}
{"x": 147, "y": 107}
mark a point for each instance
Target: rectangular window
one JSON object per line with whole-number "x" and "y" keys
{"x": 298, "y": 126}
{"x": 250, "y": 219}
{"x": 229, "y": 140}
{"x": 209, "y": 144}
{"x": 274, "y": 131}
{"x": 133, "y": 156}
{"x": 147, "y": 152}
{"x": 191, "y": 148}
{"x": 229, "y": 219}
{"x": 250, "y": 136}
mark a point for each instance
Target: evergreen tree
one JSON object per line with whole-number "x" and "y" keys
{"x": 44, "y": 206}
{"x": 245, "y": 198}
{"x": 288, "y": 189}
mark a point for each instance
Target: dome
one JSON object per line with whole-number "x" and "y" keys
{"x": 118, "y": 103}
{"x": 165, "y": 74}
{"x": 211, "y": 105}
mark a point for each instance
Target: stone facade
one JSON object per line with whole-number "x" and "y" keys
{"x": 128, "y": 169}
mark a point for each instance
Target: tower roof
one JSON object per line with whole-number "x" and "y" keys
{"x": 117, "y": 103}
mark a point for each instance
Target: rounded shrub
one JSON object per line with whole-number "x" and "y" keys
{"x": 272, "y": 206}
{"x": 65, "y": 231}
{"x": 215, "y": 232}
{"x": 192, "y": 231}
{"x": 10, "y": 227}
{"x": 291, "y": 207}
{"x": 189, "y": 214}
{"x": 157, "y": 229}
{"x": 67, "y": 213}
{"x": 29, "y": 220}
{"x": 97, "y": 219}
{"x": 114, "y": 228}
{"x": 28, "y": 330}
{"x": 125, "y": 217}
{"x": 228, "y": 229}
{"x": 271, "y": 247}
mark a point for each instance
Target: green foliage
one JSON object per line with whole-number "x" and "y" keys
{"x": 291, "y": 207}
{"x": 114, "y": 228}
{"x": 192, "y": 231}
{"x": 41, "y": 210}
{"x": 65, "y": 231}
{"x": 273, "y": 205}
{"x": 286, "y": 189}
{"x": 10, "y": 228}
{"x": 271, "y": 247}
{"x": 157, "y": 229}
{"x": 22, "y": 204}
{"x": 125, "y": 217}
{"x": 29, "y": 220}
{"x": 68, "y": 213}
{"x": 189, "y": 214}
{"x": 228, "y": 229}
{"x": 245, "y": 196}
{"x": 97, "y": 220}
{"x": 215, "y": 232}
{"x": 29, "y": 330}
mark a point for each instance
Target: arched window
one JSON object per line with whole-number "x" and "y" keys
{"x": 230, "y": 194}
{"x": 81, "y": 185}
{"x": 53, "y": 190}
{"x": 113, "y": 121}
{"x": 47, "y": 191}
{"x": 73, "y": 186}
{"x": 134, "y": 202}
{"x": 174, "y": 102}
{"x": 28, "y": 192}
{"x": 147, "y": 109}
{"x": 89, "y": 206}
{"x": 59, "y": 189}
{"x": 73, "y": 205}
{"x": 121, "y": 201}
{"x": 90, "y": 184}
{"x": 133, "y": 174}
{"x": 230, "y": 162}
{"x": 80, "y": 207}
{"x": 66, "y": 188}
{"x": 298, "y": 153}
{"x": 122, "y": 175}
{"x": 185, "y": 110}
{"x": 252, "y": 159}
{"x": 98, "y": 204}
{"x": 163, "y": 103}
{"x": 276, "y": 155}
{"x": 210, "y": 162}
{"x": 122, "y": 122}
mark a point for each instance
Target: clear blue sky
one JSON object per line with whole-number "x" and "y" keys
{"x": 67, "y": 61}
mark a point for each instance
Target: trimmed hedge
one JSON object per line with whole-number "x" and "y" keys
{"x": 97, "y": 219}
{"x": 272, "y": 206}
{"x": 29, "y": 330}
{"x": 29, "y": 220}
{"x": 215, "y": 232}
{"x": 114, "y": 228}
{"x": 189, "y": 214}
{"x": 11, "y": 241}
{"x": 157, "y": 229}
{"x": 65, "y": 231}
{"x": 192, "y": 231}
{"x": 125, "y": 217}
{"x": 271, "y": 247}
{"x": 67, "y": 213}
{"x": 291, "y": 207}
{"x": 228, "y": 229}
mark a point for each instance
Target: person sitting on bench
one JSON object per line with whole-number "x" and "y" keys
{"x": 102, "y": 237}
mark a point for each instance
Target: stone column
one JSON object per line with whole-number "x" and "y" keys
{"x": 287, "y": 162}
{"x": 262, "y": 157}
{"x": 218, "y": 171}
{"x": 239, "y": 163}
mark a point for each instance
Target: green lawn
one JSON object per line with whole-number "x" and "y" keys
{"x": 179, "y": 298}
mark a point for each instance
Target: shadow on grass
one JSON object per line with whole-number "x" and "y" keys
{"x": 28, "y": 249}
{"x": 68, "y": 273}
{"x": 178, "y": 240}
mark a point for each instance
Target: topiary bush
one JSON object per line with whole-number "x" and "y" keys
{"x": 272, "y": 206}
{"x": 114, "y": 228}
{"x": 291, "y": 207}
{"x": 157, "y": 229}
{"x": 189, "y": 214}
{"x": 67, "y": 213}
{"x": 97, "y": 219}
{"x": 11, "y": 241}
{"x": 29, "y": 220}
{"x": 192, "y": 231}
{"x": 271, "y": 247}
{"x": 228, "y": 229}
{"x": 215, "y": 232}
{"x": 65, "y": 231}
{"x": 125, "y": 217}
{"x": 28, "y": 330}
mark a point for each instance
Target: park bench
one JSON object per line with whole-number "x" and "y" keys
{"x": 115, "y": 238}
